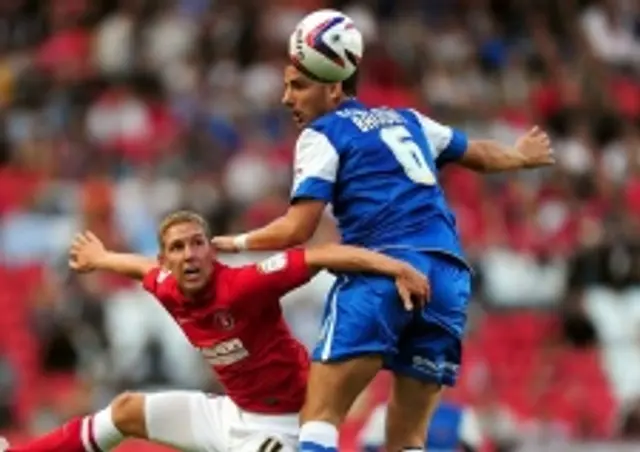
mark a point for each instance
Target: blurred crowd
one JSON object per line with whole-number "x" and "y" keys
{"x": 114, "y": 112}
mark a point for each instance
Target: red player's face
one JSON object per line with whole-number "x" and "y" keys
{"x": 189, "y": 255}
{"x": 306, "y": 98}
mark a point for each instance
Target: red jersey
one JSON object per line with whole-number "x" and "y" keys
{"x": 239, "y": 328}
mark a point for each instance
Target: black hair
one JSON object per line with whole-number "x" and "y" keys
{"x": 350, "y": 85}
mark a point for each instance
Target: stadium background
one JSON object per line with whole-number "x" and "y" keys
{"x": 115, "y": 112}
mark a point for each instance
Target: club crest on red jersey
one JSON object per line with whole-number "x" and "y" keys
{"x": 223, "y": 320}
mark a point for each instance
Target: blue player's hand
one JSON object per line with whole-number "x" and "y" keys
{"x": 225, "y": 244}
{"x": 535, "y": 147}
{"x": 413, "y": 288}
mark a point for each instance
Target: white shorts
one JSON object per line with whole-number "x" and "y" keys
{"x": 196, "y": 422}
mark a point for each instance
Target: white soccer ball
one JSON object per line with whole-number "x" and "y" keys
{"x": 326, "y": 46}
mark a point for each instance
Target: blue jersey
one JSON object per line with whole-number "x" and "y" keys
{"x": 378, "y": 168}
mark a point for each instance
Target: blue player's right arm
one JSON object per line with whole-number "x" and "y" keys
{"x": 316, "y": 166}
{"x": 449, "y": 145}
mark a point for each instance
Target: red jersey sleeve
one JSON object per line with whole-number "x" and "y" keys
{"x": 275, "y": 276}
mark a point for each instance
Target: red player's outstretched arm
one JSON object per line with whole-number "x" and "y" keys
{"x": 410, "y": 282}
{"x": 344, "y": 258}
{"x": 88, "y": 253}
{"x": 133, "y": 266}
{"x": 286, "y": 271}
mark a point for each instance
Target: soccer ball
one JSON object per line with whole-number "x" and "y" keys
{"x": 326, "y": 46}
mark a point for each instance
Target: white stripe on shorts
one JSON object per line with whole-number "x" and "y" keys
{"x": 331, "y": 320}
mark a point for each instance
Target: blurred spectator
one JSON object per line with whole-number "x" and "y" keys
{"x": 630, "y": 428}
{"x": 609, "y": 28}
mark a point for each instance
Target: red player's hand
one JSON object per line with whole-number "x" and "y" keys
{"x": 413, "y": 288}
{"x": 86, "y": 251}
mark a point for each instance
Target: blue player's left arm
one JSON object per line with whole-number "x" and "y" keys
{"x": 532, "y": 150}
{"x": 449, "y": 145}
{"x": 316, "y": 166}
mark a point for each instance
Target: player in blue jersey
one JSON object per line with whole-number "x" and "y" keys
{"x": 378, "y": 168}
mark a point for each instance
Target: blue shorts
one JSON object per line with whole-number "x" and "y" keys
{"x": 364, "y": 315}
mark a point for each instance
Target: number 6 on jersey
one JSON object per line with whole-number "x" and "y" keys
{"x": 408, "y": 154}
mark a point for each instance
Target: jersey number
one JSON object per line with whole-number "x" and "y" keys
{"x": 408, "y": 154}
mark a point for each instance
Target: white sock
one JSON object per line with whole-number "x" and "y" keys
{"x": 318, "y": 436}
{"x": 99, "y": 433}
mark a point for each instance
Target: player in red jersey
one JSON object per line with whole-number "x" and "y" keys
{"x": 233, "y": 316}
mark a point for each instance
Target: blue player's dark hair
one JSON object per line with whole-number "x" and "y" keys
{"x": 350, "y": 85}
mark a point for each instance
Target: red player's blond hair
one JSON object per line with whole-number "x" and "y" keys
{"x": 180, "y": 217}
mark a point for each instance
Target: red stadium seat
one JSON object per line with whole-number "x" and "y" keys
{"x": 564, "y": 384}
